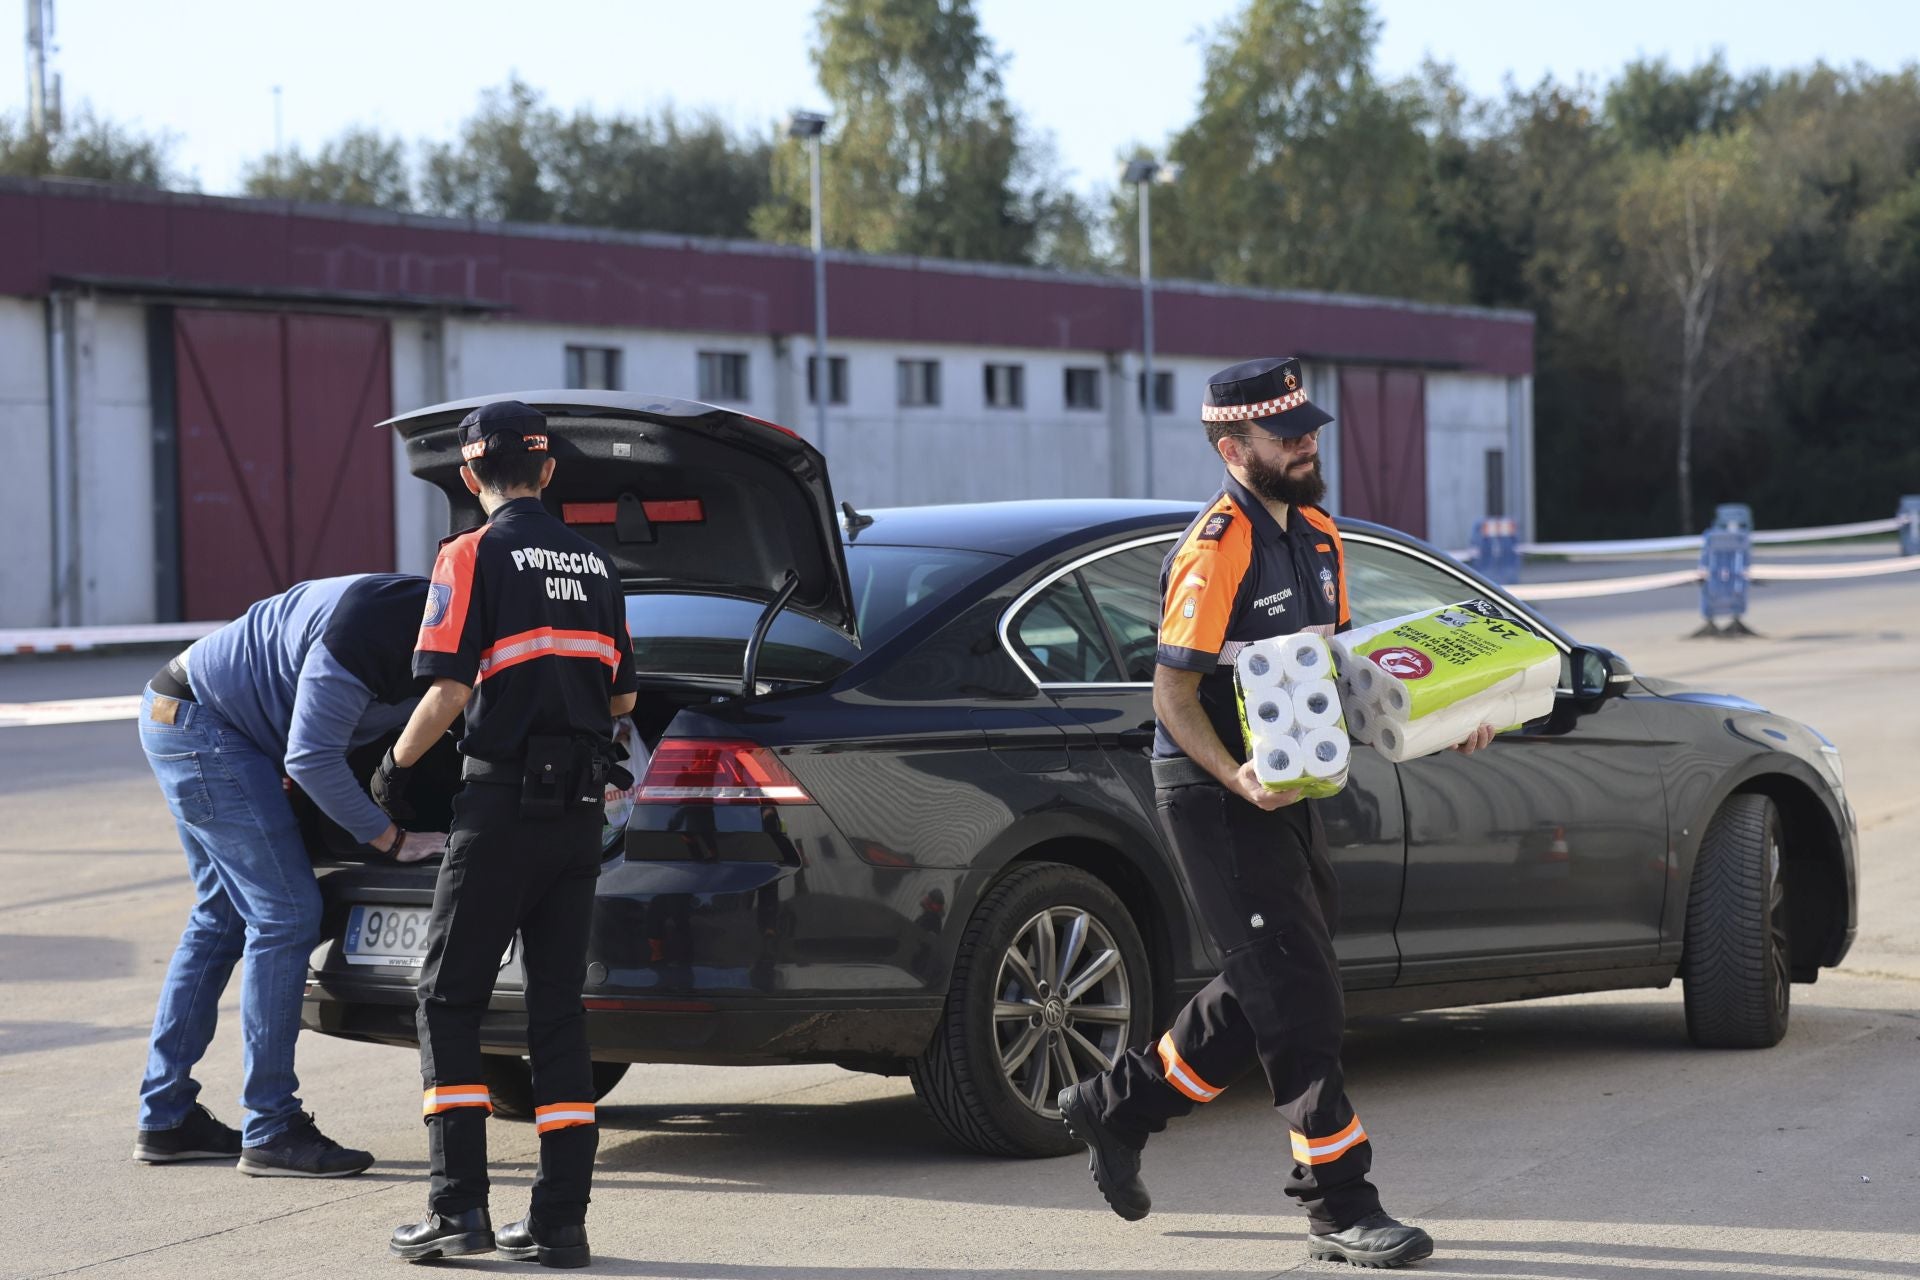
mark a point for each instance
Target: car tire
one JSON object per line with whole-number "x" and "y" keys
{"x": 1738, "y": 954}
{"x": 1105, "y": 1007}
{"x": 510, "y": 1081}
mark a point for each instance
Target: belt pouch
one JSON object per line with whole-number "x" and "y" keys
{"x": 549, "y": 780}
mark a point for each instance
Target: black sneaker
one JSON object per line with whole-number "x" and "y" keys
{"x": 1115, "y": 1165}
{"x": 302, "y": 1151}
{"x": 1375, "y": 1241}
{"x": 198, "y": 1137}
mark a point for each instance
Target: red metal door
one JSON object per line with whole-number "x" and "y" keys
{"x": 281, "y": 477}
{"x": 1383, "y": 447}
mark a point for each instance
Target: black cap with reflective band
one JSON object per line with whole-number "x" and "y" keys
{"x": 504, "y": 426}
{"x": 1271, "y": 392}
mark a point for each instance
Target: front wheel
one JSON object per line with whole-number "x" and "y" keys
{"x": 510, "y": 1081}
{"x": 1051, "y": 984}
{"x": 1738, "y": 958}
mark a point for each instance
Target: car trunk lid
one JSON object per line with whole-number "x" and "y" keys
{"x": 680, "y": 496}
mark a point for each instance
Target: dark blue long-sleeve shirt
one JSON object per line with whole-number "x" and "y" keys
{"x": 311, "y": 673}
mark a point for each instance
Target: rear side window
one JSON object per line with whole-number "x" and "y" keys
{"x": 707, "y": 635}
{"x": 1126, "y": 589}
{"x": 1060, "y": 638}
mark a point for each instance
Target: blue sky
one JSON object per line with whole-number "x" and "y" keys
{"x": 1096, "y": 74}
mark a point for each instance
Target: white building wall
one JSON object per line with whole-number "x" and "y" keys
{"x": 1467, "y": 415}
{"x": 419, "y": 379}
{"x": 26, "y": 571}
{"x": 113, "y": 413}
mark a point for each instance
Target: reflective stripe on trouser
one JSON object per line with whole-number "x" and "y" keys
{"x": 562, "y": 1115}
{"x": 502, "y": 875}
{"x": 448, "y": 1096}
{"x": 1266, "y": 893}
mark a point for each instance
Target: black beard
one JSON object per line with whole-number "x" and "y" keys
{"x": 1281, "y": 484}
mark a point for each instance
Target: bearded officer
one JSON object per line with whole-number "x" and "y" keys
{"x": 1263, "y": 560}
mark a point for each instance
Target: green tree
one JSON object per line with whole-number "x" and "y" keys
{"x": 1699, "y": 224}
{"x": 87, "y": 146}
{"x": 1653, "y": 107}
{"x": 924, "y": 151}
{"x": 494, "y": 170}
{"x": 361, "y": 166}
{"x": 655, "y": 173}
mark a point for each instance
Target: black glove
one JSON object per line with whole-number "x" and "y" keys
{"x": 389, "y": 788}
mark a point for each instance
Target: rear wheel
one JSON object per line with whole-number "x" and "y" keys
{"x": 1051, "y": 984}
{"x": 1737, "y": 964}
{"x": 510, "y": 1081}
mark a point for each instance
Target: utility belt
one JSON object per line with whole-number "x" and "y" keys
{"x": 559, "y": 773}
{"x": 1179, "y": 771}
{"x": 171, "y": 681}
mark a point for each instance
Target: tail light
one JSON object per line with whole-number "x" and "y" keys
{"x": 705, "y": 771}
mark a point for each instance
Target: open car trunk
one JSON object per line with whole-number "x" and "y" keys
{"x": 680, "y": 497}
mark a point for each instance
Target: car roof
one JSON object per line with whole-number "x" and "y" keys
{"x": 1011, "y": 528}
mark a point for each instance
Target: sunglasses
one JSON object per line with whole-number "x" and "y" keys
{"x": 1292, "y": 444}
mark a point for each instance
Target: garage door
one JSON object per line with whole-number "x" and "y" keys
{"x": 281, "y": 476}
{"x": 1383, "y": 447}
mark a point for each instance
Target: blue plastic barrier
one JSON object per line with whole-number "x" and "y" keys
{"x": 1724, "y": 557}
{"x": 1910, "y": 525}
{"x": 1733, "y": 515}
{"x": 1496, "y": 548}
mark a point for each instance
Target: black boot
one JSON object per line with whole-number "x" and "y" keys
{"x": 1115, "y": 1165}
{"x": 528, "y": 1241}
{"x": 1375, "y": 1241}
{"x": 443, "y": 1235}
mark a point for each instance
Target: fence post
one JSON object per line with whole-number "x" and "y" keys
{"x": 1725, "y": 554}
{"x": 1496, "y": 548}
{"x": 1910, "y": 525}
{"x": 1733, "y": 515}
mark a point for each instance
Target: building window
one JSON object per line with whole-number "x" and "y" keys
{"x": 1496, "y": 482}
{"x": 593, "y": 368}
{"x": 1162, "y": 391}
{"x": 1006, "y": 386}
{"x": 1083, "y": 388}
{"x": 919, "y": 383}
{"x": 723, "y": 375}
{"x": 836, "y": 380}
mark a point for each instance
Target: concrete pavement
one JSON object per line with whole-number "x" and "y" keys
{"x": 1571, "y": 1139}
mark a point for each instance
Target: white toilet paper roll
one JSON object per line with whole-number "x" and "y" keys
{"x": 1278, "y": 760}
{"x": 1316, "y": 704}
{"x": 1363, "y": 719}
{"x": 1401, "y": 740}
{"x": 1326, "y": 753}
{"x": 1383, "y": 689}
{"x": 1258, "y": 666}
{"x": 1270, "y": 711}
{"x": 1306, "y": 657}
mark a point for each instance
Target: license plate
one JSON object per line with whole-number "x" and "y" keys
{"x": 391, "y": 937}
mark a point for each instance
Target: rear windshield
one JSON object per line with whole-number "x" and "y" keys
{"x": 707, "y": 635}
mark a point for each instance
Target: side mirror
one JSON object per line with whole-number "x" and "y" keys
{"x": 1598, "y": 673}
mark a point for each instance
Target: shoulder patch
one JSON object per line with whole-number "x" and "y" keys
{"x": 439, "y": 596}
{"x": 1216, "y": 526}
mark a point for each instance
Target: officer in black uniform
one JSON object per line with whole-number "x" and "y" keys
{"x": 1262, "y": 560}
{"x": 525, "y": 631}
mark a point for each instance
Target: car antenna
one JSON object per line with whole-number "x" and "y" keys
{"x": 855, "y": 521}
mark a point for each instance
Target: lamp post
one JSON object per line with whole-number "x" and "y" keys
{"x": 810, "y": 125}
{"x": 1142, "y": 174}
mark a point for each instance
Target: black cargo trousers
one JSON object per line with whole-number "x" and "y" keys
{"x": 504, "y": 872}
{"x": 1266, "y": 893}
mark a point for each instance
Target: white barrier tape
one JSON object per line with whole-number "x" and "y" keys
{"x": 1810, "y": 572}
{"x": 25, "y": 715}
{"x": 1604, "y": 586}
{"x": 1764, "y": 536}
{"x": 81, "y": 639}
{"x": 1618, "y": 547}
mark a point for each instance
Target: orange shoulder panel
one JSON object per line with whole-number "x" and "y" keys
{"x": 449, "y": 594}
{"x": 1204, "y": 580}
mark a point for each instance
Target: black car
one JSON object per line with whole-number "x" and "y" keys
{"x": 897, "y": 813}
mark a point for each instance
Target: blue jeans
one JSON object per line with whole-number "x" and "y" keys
{"x": 257, "y": 897}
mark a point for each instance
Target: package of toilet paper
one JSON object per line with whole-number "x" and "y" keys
{"x": 1419, "y": 684}
{"x": 1290, "y": 711}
